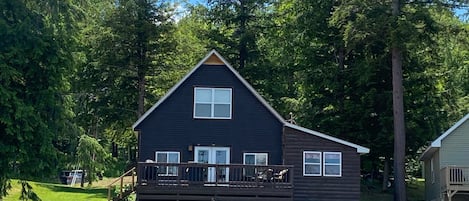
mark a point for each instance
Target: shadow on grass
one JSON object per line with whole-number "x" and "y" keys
{"x": 92, "y": 192}
{"x": 372, "y": 191}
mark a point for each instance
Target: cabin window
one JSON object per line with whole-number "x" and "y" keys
{"x": 312, "y": 163}
{"x": 327, "y": 164}
{"x": 333, "y": 164}
{"x": 167, "y": 157}
{"x": 254, "y": 159}
{"x": 212, "y": 103}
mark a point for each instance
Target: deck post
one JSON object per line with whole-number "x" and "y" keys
{"x": 133, "y": 181}
{"x": 122, "y": 185}
{"x": 109, "y": 193}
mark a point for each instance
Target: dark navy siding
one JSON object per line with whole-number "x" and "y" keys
{"x": 171, "y": 126}
{"x": 320, "y": 188}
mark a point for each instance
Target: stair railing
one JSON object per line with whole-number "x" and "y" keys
{"x": 131, "y": 173}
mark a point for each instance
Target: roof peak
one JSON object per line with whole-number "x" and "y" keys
{"x": 437, "y": 142}
{"x": 212, "y": 58}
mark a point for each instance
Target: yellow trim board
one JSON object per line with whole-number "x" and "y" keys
{"x": 214, "y": 60}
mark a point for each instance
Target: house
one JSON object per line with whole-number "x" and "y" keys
{"x": 446, "y": 164}
{"x": 213, "y": 137}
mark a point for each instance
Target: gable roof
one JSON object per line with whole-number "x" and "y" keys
{"x": 360, "y": 149}
{"x": 435, "y": 145}
{"x": 214, "y": 58}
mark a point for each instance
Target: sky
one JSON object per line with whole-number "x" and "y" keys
{"x": 463, "y": 14}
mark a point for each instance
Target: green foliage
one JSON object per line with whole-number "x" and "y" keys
{"x": 236, "y": 25}
{"x": 91, "y": 156}
{"x": 5, "y": 186}
{"x": 326, "y": 62}
{"x": 27, "y": 192}
{"x": 126, "y": 49}
{"x": 35, "y": 64}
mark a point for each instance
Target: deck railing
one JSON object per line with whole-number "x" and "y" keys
{"x": 204, "y": 175}
{"x": 454, "y": 176}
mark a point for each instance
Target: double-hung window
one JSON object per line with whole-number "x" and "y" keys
{"x": 333, "y": 164}
{"x": 212, "y": 103}
{"x": 254, "y": 159}
{"x": 167, "y": 157}
{"x": 328, "y": 164}
{"x": 312, "y": 163}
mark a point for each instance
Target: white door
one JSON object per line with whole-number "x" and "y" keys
{"x": 214, "y": 155}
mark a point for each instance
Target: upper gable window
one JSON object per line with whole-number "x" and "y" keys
{"x": 212, "y": 103}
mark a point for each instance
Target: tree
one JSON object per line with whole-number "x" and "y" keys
{"x": 128, "y": 48}
{"x": 404, "y": 29}
{"x": 398, "y": 107}
{"x": 91, "y": 157}
{"x": 453, "y": 63}
{"x": 35, "y": 62}
{"x": 236, "y": 24}
{"x": 27, "y": 192}
{"x": 342, "y": 74}
{"x": 188, "y": 47}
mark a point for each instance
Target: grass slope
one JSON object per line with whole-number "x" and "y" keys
{"x": 58, "y": 192}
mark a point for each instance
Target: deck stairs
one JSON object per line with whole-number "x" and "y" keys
{"x": 125, "y": 186}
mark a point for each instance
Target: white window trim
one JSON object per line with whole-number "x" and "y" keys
{"x": 334, "y": 164}
{"x": 255, "y": 158}
{"x": 167, "y": 157}
{"x": 304, "y": 163}
{"x": 212, "y": 103}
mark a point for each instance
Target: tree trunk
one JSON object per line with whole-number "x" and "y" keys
{"x": 340, "y": 95}
{"x": 399, "y": 126}
{"x": 385, "y": 175}
{"x": 114, "y": 150}
{"x": 141, "y": 93}
{"x": 242, "y": 37}
{"x": 398, "y": 111}
{"x": 82, "y": 180}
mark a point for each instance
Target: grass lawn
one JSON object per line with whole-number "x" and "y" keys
{"x": 415, "y": 192}
{"x": 57, "y": 192}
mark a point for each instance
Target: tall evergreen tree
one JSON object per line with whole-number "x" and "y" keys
{"x": 135, "y": 37}
{"x": 35, "y": 64}
{"x": 398, "y": 105}
{"x": 236, "y": 26}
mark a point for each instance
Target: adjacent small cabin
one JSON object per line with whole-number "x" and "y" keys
{"x": 446, "y": 164}
{"x": 213, "y": 137}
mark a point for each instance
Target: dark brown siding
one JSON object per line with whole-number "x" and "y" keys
{"x": 322, "y": 188}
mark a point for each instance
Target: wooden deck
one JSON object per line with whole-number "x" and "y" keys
{"x": 454, "y": 180}
{"x": 190, "y": 181}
